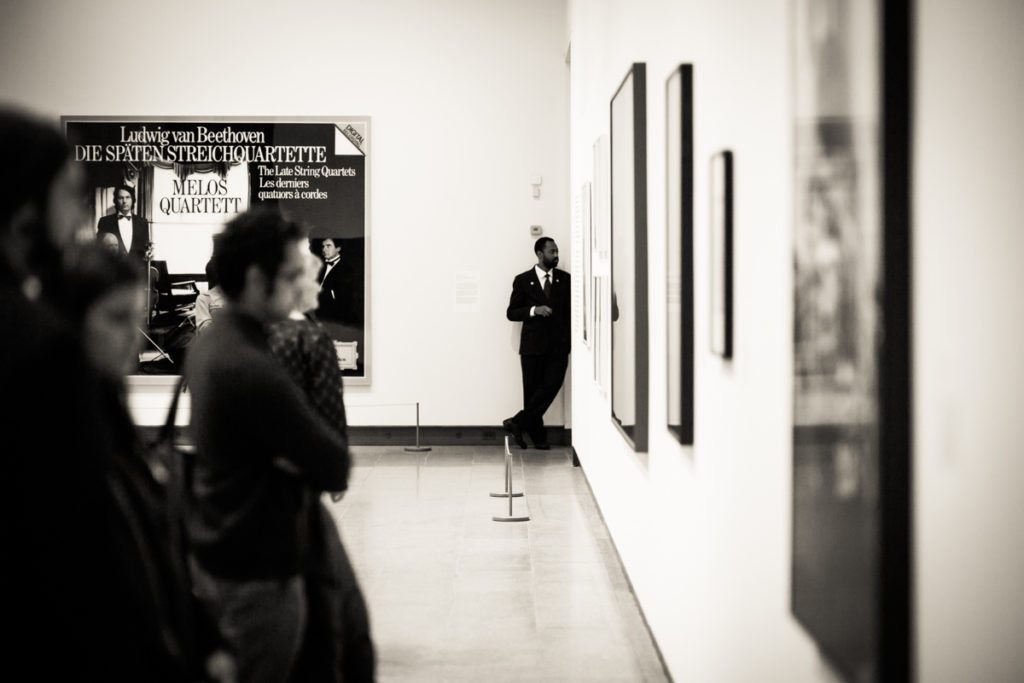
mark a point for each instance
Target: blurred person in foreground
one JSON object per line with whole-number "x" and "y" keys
{"x": 262, "y": 455}
{"x": 66, "y": 613}
{"x": 104, "y": 303}
{"x": 337, "y": 645}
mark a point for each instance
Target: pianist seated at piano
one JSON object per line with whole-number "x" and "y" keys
{"x": 210, "y": 302}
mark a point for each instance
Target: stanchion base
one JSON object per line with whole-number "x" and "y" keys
{"x": 505, "y": 495}
{"x": 418, "y": 449}
{"x": 511, "y": 519}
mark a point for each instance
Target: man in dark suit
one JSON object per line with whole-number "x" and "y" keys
{"x": 541, "y": 301}
{"x": 336, "y": 301}
{"x": 131, "y": 231}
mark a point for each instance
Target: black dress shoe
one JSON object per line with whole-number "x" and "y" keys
{"x": 517, "y": 433}
{"x": 542, "y": 446}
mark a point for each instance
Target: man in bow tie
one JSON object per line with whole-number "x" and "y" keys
{"x": 337, "y": 301}
{"x": 331, "y": 295}
{"x": 541, "y": 301}
{"x": 131, "y": 231}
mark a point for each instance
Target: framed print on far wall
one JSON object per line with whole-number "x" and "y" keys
{"x": 629, "y": 257}
{"x": 588, "y": 233}
{"x": 600, "y": 199}
{"x": 679, "y": 253}
{"x": 186, "y": 177}
{"x": 721, "y": 253}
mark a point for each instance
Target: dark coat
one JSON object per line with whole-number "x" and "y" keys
{"x": 337, "y": 643}
{"x": 177, "y": 636}
{"x": 249, "y": 517}
{"x": 69, "y": 612}
{"x": 542, "y": 335}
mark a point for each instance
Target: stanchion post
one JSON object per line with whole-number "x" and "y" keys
{"x": 508, "y": 493}
{"x": 508, "y": 480}
{"x": 417, "y": 448}
{"x": 508, "y": 490}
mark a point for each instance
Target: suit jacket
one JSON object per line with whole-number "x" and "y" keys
{"x": 540, "y": 335}
{"x": 140, "y": 234}
{"x": 339, "y": 299}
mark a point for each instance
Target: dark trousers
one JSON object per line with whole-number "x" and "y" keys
{"x": 261, "y": 621}
{"x": 542, "y": 378}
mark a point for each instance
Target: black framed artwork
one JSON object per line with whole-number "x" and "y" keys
{"x": 679, "y": 251}
{"x": 851, "y": 405}
{"x": 184, "y": 177}
{"x": 600, "y": 241}
{"x": 588, "y": 245}
{"x": 629, "y": 257}
{"x": 721, "y": 253}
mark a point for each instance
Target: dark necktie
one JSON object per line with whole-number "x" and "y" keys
{"x": 547, "y": 286}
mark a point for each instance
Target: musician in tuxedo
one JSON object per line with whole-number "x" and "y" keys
{"x": 337, "y": 300}
{"x": 541, "y": 301}
{"x": 131, "y": 230}
{"x": 128, "y": 234}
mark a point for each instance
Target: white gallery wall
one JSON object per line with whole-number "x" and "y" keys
{"x": 969, "y": 335}
{"x": 468, "y": 102}
{"x": 705, "y": 531}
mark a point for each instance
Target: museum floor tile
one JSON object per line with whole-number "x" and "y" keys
{"x": 455, "y": 596}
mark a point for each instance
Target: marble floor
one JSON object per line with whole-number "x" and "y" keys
{"x": 455, "y": 596}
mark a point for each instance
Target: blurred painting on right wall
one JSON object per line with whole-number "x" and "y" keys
{"x": 851, "y": 452}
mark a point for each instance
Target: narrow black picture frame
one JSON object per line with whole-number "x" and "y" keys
{"x": 679, "y": 159}
{"x": 721, "y": 323}
{"x": 634, "y": 427}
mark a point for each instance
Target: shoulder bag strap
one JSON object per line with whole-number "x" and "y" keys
{"x": 166, "y": 435}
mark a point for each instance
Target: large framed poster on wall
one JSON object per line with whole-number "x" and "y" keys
{"x": 176, "y": 181}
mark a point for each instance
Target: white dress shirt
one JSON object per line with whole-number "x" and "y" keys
{"x": 124, "y": 226}
{"x": 541, "y": 274}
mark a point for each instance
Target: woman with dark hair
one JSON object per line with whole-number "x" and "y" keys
{"x": 41, "y": 205}
{"x": 104, "y": 301}
{"x": 105, "y": 304}
{"x": 65, "y": 614}
{"x": 69, "y": 612}
{"x": 337, "y": 645}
